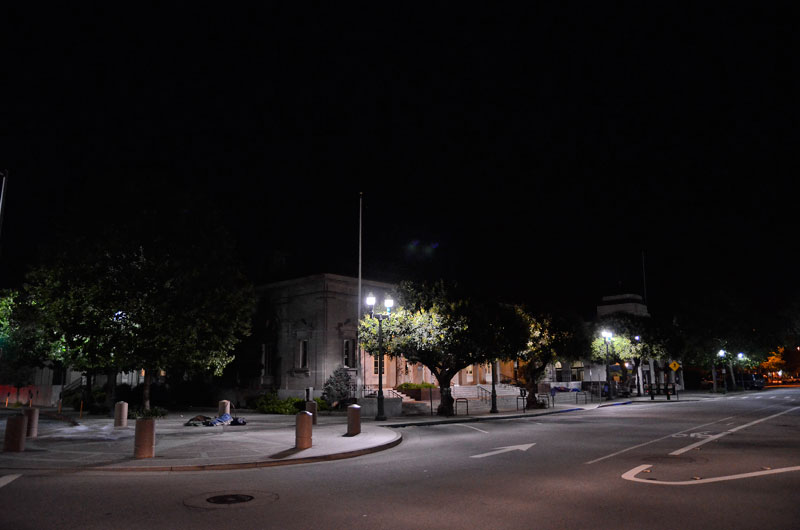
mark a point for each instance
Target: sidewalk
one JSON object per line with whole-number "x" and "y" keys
{"x": 266, "y": 440}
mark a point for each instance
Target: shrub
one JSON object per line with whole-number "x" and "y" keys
{"x": 271, "y": 404}
{"x": 414, "y": 386}
{"x": 154, "y": 412}
{"x": 337, "y": 387}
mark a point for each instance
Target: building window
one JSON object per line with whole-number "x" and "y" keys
{"x": 559, "y": 372}
{"x": 303, "y": 354}
{"x": 349, "y": 359}
{"x": 375, "y": 366}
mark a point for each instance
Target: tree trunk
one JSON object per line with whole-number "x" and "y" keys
{"x": 733, "y": 377}
{"x": 111, "y": 385}
{"x": 713, "y": 378}
{"x": 637, "y": 361}
{"x": 446, "y": 403}
{"x": 146, "y": 390}
{"x": 532, "y": 375}
{"x": 87, "y": 390}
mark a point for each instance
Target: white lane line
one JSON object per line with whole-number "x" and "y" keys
{"x": 8, "y": 479}
{"x": 631, "y": 475}
{"x": 471, "y": 427}
{"x": 720, "y": 435}
{"x": 656, "y": 440}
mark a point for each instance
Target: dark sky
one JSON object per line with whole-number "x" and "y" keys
{"x": 533, "y": 148}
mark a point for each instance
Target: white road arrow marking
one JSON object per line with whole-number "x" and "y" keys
{"x": 7, "y": 479}
{"x": 631, "y": 475}
{"x": 506, "y": 449}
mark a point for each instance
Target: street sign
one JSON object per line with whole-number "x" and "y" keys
{"x": 674, "y": 365}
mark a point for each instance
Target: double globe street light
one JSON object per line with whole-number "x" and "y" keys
{"x": 387, "y": 303}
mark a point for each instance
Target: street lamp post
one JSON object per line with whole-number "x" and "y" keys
{"x": 724, "y": 381}
{"x": 494, "y": 388}
{"x": 607, "y": 338}
{"x": 740, "y": 358}
{"x": 387, "y": 303}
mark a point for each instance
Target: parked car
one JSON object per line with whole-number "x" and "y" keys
{"x": 753, "y": 382}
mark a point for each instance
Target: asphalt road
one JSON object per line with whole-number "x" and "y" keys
{"x": 732, "y": 462}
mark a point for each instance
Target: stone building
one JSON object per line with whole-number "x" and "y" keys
{"x": 308, "y": 328}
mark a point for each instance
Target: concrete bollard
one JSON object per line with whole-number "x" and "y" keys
{"x": 32, "y": 430}
{"x": 223, "y": 408}
{"x": 303, "y": 430}
{"x": 311, "y": 406}
{"x": 353, "y": 420}
{"x": 16, "y": 427}
{"x": 144, "y": 439}
{"x": 120, "y": 414}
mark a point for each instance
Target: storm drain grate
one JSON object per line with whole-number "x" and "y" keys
{"x": 233, "y": 498}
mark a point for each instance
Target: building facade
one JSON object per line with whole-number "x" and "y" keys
{"x": 308, "y": 327}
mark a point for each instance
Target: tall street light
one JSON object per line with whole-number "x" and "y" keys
{"x": 607, "y": 338}
{"x": 721, "y": 354}
{"x": 387, "y": 303}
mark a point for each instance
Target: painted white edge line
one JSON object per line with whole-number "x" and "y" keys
{"x": 631, "y": 475}
{"x": 656, "y": 440}
{"x": 471, "y": 427}
{"x": 8, "y": 479}
{"x": 730, "y": 431}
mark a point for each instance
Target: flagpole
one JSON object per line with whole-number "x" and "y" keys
{"x": 358, "y": 316}
{"x": 644, "y": 282}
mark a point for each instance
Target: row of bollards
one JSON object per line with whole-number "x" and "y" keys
{"x": 19, "y": 427}
{"x": 306, "y": 419}
{"x": 26, "y": 425}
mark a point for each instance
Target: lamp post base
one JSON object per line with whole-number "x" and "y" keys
{"x": 381, "y": 416}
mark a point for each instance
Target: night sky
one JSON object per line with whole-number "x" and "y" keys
{"x": 534, "y": 150}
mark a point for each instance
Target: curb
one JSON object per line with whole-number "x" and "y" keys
{"x": 253, "y": 465}
{"x": 615, "y": 404}
{"x": 472, "y": 419}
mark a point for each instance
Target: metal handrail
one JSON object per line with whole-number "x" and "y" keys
{"x": 372, "y": 389}
{"x": 483, "y": 394}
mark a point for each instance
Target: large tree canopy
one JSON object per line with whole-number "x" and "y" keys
{"x": 550, "y": 337}
{"x": 445, "y": 330}
{"x": 158, "y": 293}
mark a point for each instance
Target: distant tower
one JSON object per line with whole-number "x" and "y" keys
{"x": 622, "y": 303}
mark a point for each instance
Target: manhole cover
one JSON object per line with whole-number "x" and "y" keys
{"x": 233, "y": 498}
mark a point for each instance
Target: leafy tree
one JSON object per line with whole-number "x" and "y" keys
{"x": 634, "y": 338}
{"x": 445, "y": 330}
{"x": 23, "y": 344}
{"x": 727, "y": 320}
{"x": 13, "y": 367}
{"x": 158, "y": 294}
{"x": 550, "y": 337}
{"x": 337, "y": 387}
